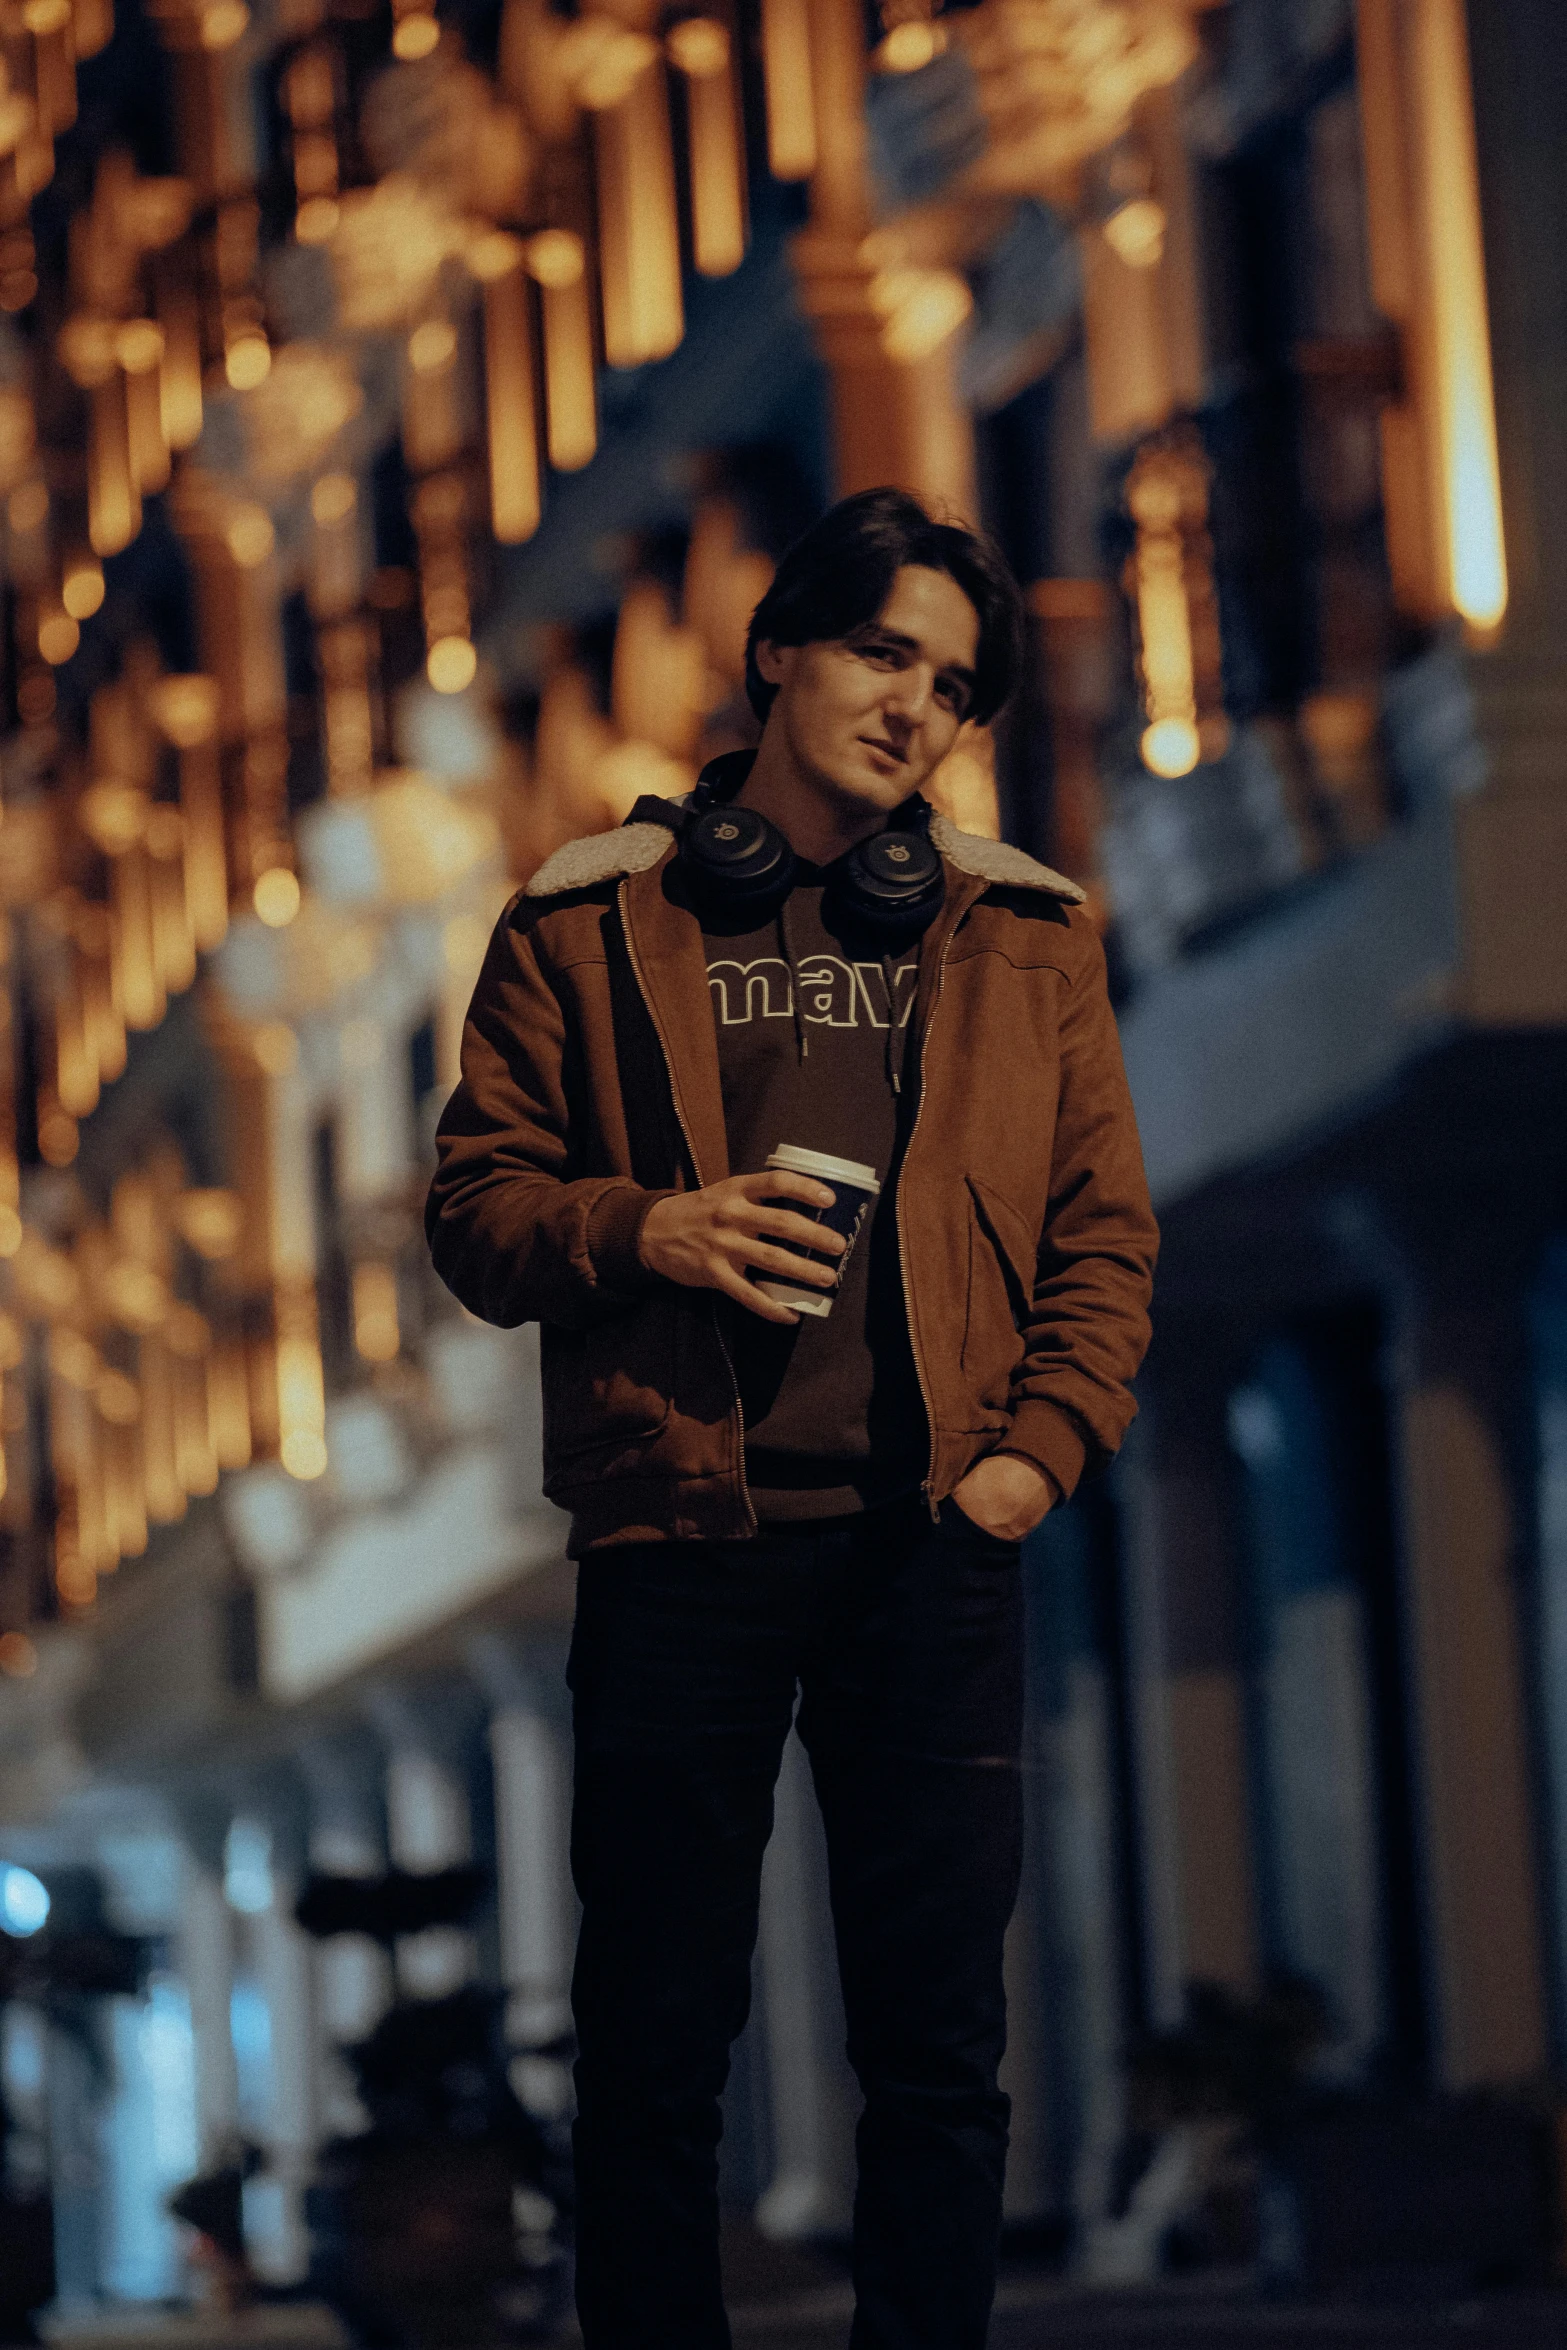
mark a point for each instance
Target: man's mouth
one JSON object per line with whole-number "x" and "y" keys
{"x": 887, "y": 750}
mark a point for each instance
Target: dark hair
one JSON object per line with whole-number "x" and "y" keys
{"x": 838, "y": 576}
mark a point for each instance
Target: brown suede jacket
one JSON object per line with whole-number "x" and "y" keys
{"x": 590, "y": 1088}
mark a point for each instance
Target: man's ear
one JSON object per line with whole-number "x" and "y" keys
{"x": 770, "y": 661}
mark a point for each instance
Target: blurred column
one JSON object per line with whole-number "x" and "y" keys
{"x": 273, "y": 2026}
{"x": 1465, "y": 1464}
{"x": 205, "y": 1962}
{"x": 1548, "y": 1317}
{"x": 1186, "y": 1670}
{"x": 274, "y": 2202}
{"x": 532, "y": 1833}
{"x": 1312, "y": 1523}
{"x": 353, "y": 1973}
{"x": 1069, "y": 2006}
{"x": 529, "y": 1741}
{"x": 429, "y": 1828}
{"x": 811, "y": 2092}
{"x": 75, "y": 2169}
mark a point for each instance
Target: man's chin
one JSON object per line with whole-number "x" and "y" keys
{"x": 871, "y": 787}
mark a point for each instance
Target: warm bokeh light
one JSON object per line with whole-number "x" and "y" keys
{"x": 911, "y": 46}
{"x": 276, "y": 897}
{"x": 791, "y": 105}
{"x": 250, "y": 536}
{"x": 58, "y": 638}
{"x": 699, "y": 46}
{"x": 248, "y": 362}
{"x": 223, "y": 23}
{"x": 82, "y": 591}
{"x": 432, "y": 346}
{"x": 377, "y": 1336}
{"x": 187, "y": 706}
{"x": 303, "y": 1454}
{"x": 18, "y": 1656}
{"x": 921, "y": 309}
{"x": 1171, "y": 747}
{"x": 415, "y": 37}
{"x": 557, "y": 260}
{"x": 638, "y": 218}
{"x": 701, "y": 49}
{"x": 451, "y": 664}
{"x": 1136, "y": 230}
{"x": 211, "y": 1221}
{"x": 1466, "y": 403}
{"x": 333, "y": 498}
{"x": 556, "y": 257}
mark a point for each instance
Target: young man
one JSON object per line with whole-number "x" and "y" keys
{"x": 768, "y": 1504}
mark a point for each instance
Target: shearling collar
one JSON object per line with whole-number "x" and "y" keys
{"x": 632, "y": 848}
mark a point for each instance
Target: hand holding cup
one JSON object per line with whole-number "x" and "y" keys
{"x": 719, "y": 1236}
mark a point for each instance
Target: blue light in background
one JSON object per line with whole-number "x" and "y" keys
{"x": 24, "y": 1901}
{"x": 250, "y": 2030}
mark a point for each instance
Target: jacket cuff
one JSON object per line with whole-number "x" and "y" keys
{"x": 615, "y": 1224}
{"x": 1051, "y": 1438}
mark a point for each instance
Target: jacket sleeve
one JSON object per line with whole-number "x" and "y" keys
{"x": 1087, "y": 1330}
{"x": 516, "y": 1234}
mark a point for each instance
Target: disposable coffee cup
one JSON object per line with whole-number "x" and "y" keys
{"x": 853, "y": 1187}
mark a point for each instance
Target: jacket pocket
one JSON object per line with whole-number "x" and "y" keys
{"x": 1001, "y": 1254}
{"x": 607, "y": 1391}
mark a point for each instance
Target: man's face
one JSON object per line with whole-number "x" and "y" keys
{"x": 870, "y": 717}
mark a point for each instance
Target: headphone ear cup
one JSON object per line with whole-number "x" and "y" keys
{"x": 892, "y": 882}
{"x": 735, "y": 857}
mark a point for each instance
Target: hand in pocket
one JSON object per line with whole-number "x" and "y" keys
{"x": 1005, "y": 1496}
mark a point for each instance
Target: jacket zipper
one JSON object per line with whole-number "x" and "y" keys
{"x": 680, "y": 1120}
{"x": 903, "y": 1253}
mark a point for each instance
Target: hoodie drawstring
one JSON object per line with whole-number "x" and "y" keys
{"x": 890, "y": 980}
{"x": 802, "y": 1041}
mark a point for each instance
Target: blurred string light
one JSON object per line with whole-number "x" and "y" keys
{"x": 1170, "y": 581}
{"x": 377, "y": 1335}
{"x": 791, "y": 105}
{"x": 24, "y": 1901}
{"x": 702, "y": 51}
{"x": 557, "y": 261}
{"x": 1441, "y": 474}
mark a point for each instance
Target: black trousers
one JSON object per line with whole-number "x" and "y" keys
{"x": 904, "y": 1640}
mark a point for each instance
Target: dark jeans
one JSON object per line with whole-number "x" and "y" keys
{"x": 904, "y": 1639}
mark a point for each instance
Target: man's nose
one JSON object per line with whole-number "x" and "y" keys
{"x": 908, "y": 701}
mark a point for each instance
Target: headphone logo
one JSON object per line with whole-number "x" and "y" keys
{"x": 897, "y": 854}
{"x": 726, "y": 832}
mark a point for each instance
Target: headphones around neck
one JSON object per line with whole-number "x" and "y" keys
{"x": 731, "y": 857}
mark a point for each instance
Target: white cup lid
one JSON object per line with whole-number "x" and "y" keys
{"x": 795, "y": 1161}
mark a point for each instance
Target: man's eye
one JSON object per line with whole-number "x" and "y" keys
{"x": 952, "y": 694}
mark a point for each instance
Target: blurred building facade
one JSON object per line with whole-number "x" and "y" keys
{"x": 399, "y": 414}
